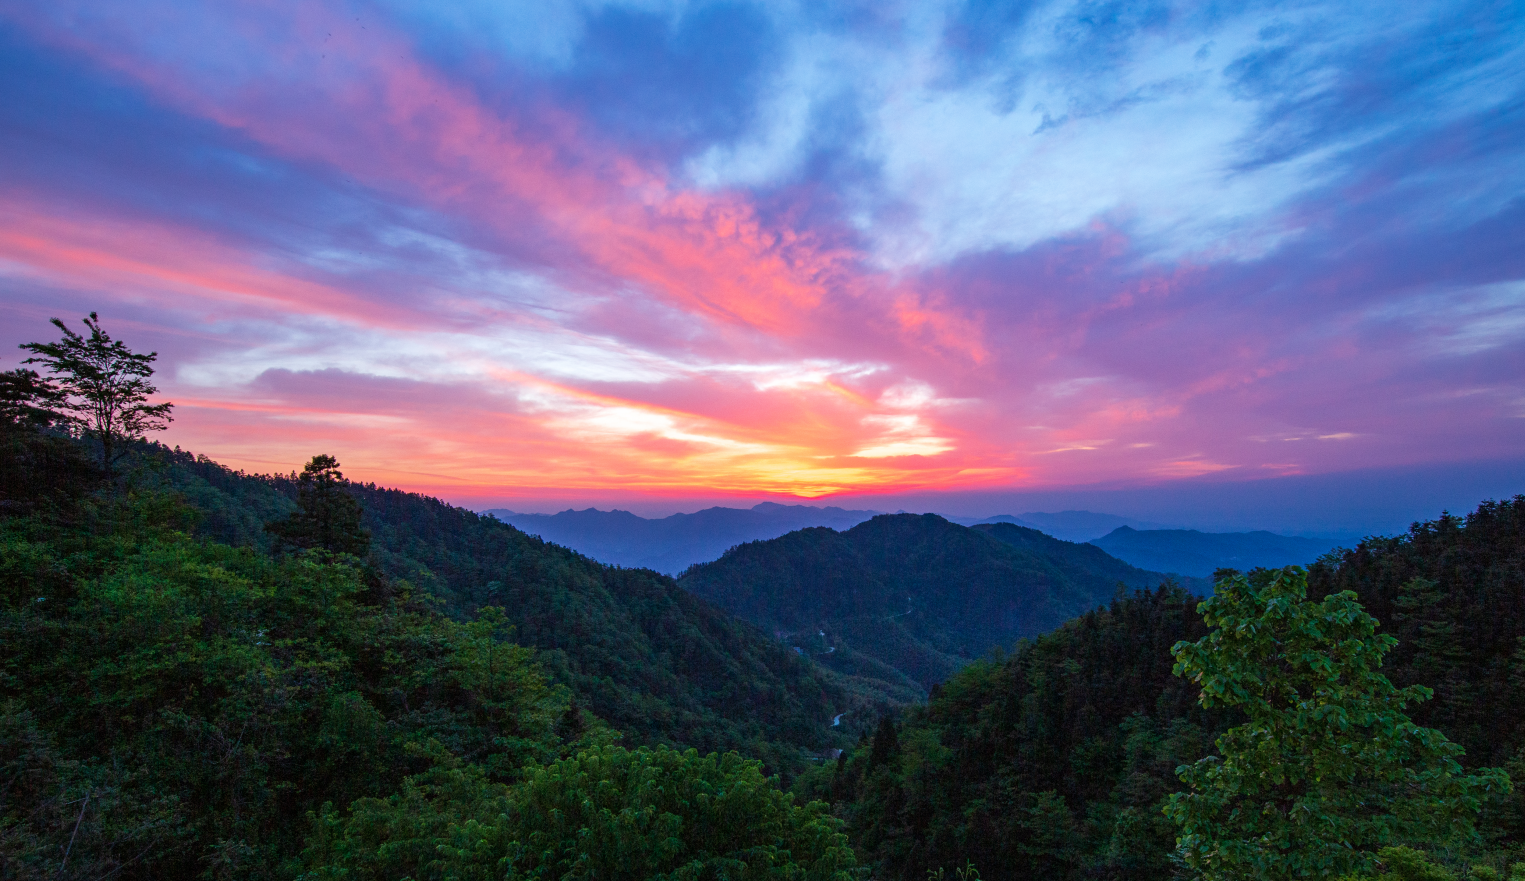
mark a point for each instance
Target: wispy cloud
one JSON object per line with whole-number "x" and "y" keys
{"x": 780, "y": 248}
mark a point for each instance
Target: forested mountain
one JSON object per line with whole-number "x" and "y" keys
{"x": 1192, "y": 553}
{"x": 672, "y": 544}
{"x": 646, "y": 656}
{"x": 907, "y": 599}
{"x": 1452, "y": 590}
{"x": 1055, "y": 762}
{"x": 173, "y": 706}
{"x": 218, "y": 706}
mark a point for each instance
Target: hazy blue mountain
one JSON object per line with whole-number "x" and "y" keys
{"x": 1189, "y": 552}
{"x": 1075, "y": 525}
{"x": 911, "y": 597}
{"x": 999, "y": 518}
{"x": 672, "y": 544}
{"x": 1087, "y": 560}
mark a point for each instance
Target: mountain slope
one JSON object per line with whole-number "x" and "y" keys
{"x": 672, "y": 544}
{"x": 1189, "y": 552}
{"x": 912, "y": 592}
{"x": 653, "y": 660}
{"x": 1055, "y": 761}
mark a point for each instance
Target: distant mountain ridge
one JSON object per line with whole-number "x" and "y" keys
{"x": 1199, "y": 554}
{"x": 672, "y": 544}
{"x": 910, "y": 598}
{"x": 1077, "y": 526}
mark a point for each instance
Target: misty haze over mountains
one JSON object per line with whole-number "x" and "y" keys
{"x": 1066, "y": 525}
{"x": 672, "y": 544}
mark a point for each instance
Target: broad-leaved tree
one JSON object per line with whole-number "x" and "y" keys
{"x": 1327, "y": 769}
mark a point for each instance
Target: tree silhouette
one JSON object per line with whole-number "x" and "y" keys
{"x": 100, "y": 384}
{"x": 29, "y": 401}
{"x": 36, "y": 464}
{"x": 329, "y": 518}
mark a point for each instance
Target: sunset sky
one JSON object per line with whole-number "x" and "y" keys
{"x": 533, "y": 254}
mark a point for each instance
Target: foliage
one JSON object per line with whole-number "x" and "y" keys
{"x": 328, "y": 517}
{"x": 28, "y": 400}
{"x": 102, "y": 385}
{"x": 169, "y": 704}
{"x": 1092, "y": 713}
{"x": 1450, "y": 590}
{"x": 40, "y": 465}
{"x": 636, "y": 650}
{"x": 606, "y": 813}
{"x": 172, "y": 706}
{"x": 1404, "y": 863}
{"x": 1326, "y": 768}
{"x": 1053, "y": 762}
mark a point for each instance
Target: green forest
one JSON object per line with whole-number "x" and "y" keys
{"x": 211, "y": 674}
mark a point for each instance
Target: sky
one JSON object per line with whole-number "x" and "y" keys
{"x": 657, "y": 254}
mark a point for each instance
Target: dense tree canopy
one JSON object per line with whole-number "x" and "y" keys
{"x": 637, "y": 651}
{"x": 1054, "y": 762}
{"x": 1058, "y": 760}
{"x": 187, "y": 700}
{"x": 173, "y": 707}
{"x": 1326, "y": 769}
{"x": 328, "y": 516}
{"x": 40, "y": 465}
{"x": 607, "y": 813}
{"x": 901, "y": 601}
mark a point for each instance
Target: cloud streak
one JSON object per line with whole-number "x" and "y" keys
{"x": 861, "y": 256}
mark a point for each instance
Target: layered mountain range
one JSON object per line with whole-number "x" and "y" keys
{"x": 1200, "y": 554}
{"x": 251, "y": 684}
{"x": 672, "y": 544}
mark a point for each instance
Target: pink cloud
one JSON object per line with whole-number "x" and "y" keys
{"x": 788, "y": 361}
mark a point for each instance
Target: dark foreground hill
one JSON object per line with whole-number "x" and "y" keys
{"x": 672, "y": 544}
{"x": 1055, "y": 762}
{"x": 173, "y": 706}
{"x": 908, "y": 598}
{"x": 649, "y": 658}
{"x": 1200, "y": 554}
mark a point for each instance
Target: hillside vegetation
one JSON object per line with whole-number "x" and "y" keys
{"x": 1056, "y": 761}
{"x": 649, "y": 658}
{"x": 181, "y": 699}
